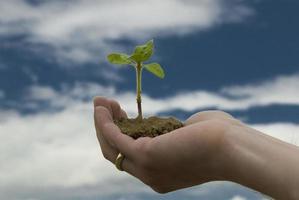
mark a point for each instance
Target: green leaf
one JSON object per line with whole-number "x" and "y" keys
{"x": 143, "y": 52}
{"x": 156, "y": 69}
{"x": 119, "y": 59}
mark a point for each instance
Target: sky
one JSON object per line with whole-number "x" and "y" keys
{"x": 240, "y": 56}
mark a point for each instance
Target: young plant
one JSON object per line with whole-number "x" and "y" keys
{"x": 141, "y": 54}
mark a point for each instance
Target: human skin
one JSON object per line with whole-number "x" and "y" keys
{"x": 211, "y": 146}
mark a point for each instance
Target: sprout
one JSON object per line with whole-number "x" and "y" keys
{"x": 141, "y": 54}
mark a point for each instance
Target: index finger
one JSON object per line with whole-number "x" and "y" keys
{"x": 112, "y": 105}
{"x": 112, "y": 133}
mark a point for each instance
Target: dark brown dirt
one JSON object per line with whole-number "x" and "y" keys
{"x": 148, "y": 127}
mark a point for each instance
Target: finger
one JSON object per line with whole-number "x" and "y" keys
{"x": 102, "y": 101}
{"x": 128, "y": 166}
{"x": 124, "y": 114}
{"x": 112, "y": 133}
{"x": 117, "y": 111}
{"x": 112, "y": 105}
{"x": 107, "y": 151}
{"x": 110, "y": 153}
{"x": 207, "y": 115}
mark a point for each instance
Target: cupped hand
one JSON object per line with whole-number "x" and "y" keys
{"x": 182, "y": 158}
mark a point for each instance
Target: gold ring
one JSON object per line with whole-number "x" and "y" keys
{"x": 118, "y": 162}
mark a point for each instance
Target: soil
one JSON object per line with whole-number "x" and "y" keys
{"x": 148, "y": 127}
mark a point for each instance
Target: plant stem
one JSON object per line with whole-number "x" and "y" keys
{"x": 138, "y": 89}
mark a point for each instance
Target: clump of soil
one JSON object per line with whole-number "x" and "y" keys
{"x": 148, "y": 127}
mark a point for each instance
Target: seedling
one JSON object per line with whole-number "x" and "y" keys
{"x": 141, "y": 54}
{"x": 143, "y": 127}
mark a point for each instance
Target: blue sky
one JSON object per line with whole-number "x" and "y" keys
{"x": 239, "y": 56}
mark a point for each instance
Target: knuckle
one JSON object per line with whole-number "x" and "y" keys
{"x": 106, "y": 127}
{"x": 100, "y": 101}
{"x": 100, "y": 110}
{"x": 103, "y": 104}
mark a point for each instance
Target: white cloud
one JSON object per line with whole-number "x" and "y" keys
{"x": 280, "y": 90}
{"x": 278, "y": 130}
{"x": 67, "y": 96}
{"x": 80, "y": 30}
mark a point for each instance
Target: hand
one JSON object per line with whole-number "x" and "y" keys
{"x": 185, "y": 157}
{"x": 211, "y": 146}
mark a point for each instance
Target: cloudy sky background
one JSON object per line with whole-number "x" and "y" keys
{"x": 239, "y": 56}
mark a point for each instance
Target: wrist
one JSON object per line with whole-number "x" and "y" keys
{"x": 223, "y": 153}
{"x": 244, "y": 160}
{"x": 232, "y": 150}
{"x": 228, "y": 153}
{"x": 260, "y": 162}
